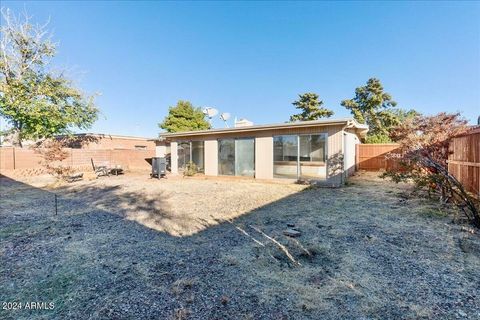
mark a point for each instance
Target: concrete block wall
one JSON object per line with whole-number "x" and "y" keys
{"x": 28, "y": 159}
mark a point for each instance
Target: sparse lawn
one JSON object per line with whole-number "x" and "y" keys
{"x": 131, "y": 247}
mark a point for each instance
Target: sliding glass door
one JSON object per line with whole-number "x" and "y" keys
{"x": 299, "y": 156}
{"x": 226, "y": 157}
{"x": 191, "y": 151}
{"x": 183, "y": 154}
{"x": 198, "y": 155}
{"x": 236, "y": 157}
{"x": 245, "y": 157}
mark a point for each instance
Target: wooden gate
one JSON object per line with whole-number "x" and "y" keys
{"x": 373, "y": 157}
{"x": 464, "y": 160}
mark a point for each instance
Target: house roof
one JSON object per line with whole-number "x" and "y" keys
{"x": 105, "y": 135}
{"x": 348, "y": 122}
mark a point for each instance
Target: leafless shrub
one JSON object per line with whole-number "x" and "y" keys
{"x": 53, "y": 155}
{"x": 424, "y": 143}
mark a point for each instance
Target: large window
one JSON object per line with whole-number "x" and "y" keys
{"x": 299, "y": 156}
{"x": 285, "y": 157}
{"x": 236, "y": 157}
{"x": 191, "y": 151}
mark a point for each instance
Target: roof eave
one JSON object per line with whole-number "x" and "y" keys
{"x": 305, "y": 124}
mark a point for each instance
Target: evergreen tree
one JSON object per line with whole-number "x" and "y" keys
{"x": 184, "y": 117}
{"x": 311, "y": 108}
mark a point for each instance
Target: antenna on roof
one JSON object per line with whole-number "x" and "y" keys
{"x": 225, "y": 116}
{"x": 210, "y": 113}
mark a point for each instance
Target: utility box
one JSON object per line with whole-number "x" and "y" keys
{"x": 159, "y": 167}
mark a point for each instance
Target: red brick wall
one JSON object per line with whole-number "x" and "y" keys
{"x": 21, "y": 159}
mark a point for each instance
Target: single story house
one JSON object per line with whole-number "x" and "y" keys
{"x": 320, "y": 150}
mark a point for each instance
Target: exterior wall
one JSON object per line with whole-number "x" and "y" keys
{"x": 264, "y": 150}
{"x": 211, "y": 157}
{"x": 335, "y": 156}
{"x": 349, "y": 147}
{"x": 174, "y": 157}
{"x": 264, "y": 158}
{"x": 160, "y": 151}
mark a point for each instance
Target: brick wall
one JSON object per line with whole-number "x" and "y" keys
{"x": 28, "y": 159}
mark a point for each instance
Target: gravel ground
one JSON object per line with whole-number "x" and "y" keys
{"x": 129, "y": 247}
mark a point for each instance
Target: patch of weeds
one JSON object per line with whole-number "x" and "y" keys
{"x": 433, "y": 212}
{"x": 469, "y": 246}
{"x": 190, "y": 169}
{"x": 230, "y": 260}
{"x": 56, "y": 289}
{"x": 307, "y": 307}
{"x": 404, "y": 195}
{"x": 224, "y": 300}
{"x": 181, "y": 314}
{"x": 12, "y": 230}
{"x": 319, "y": 280}
{"x": 247, "y": 316}
{"x": 311, "y": 252}
{"x": 349, "y": 183}
{"x": 181, "y": 285}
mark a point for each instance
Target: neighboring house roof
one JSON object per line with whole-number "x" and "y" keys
{"x": 105, "y": 135}
{"x": 347, "y": 122}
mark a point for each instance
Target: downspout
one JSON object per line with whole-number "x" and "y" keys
{"x": 343, "y": 151}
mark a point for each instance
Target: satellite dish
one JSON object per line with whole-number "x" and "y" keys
{"x": 210, "y": 112}
{"x": 225, "y": 116}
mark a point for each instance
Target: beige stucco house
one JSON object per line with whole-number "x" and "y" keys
{"x": 321, "y": 150}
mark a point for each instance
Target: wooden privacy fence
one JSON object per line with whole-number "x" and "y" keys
{"x": 464, "y": 160}
{"x": 373, "y": 157}
{"x": 28, "y": 159}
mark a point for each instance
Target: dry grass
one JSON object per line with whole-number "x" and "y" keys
{"x": 131, "y": 247}
{"x": 177, "y": 206}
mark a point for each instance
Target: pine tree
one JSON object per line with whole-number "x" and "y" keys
{"x": 311, "y": 108}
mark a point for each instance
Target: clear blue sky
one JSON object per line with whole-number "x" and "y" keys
{"x": 252, "y": 59}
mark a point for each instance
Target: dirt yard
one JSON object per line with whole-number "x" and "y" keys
{"x": 129, "y": 247}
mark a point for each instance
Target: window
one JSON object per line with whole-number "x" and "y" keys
{"x": 299, "y": 156}
{"x": 140, "y": 147}
{"x": 285, "y": 156}
{"x": 236, "y": 157}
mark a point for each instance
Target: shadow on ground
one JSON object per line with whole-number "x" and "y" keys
{"x": 381, "y": 258}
